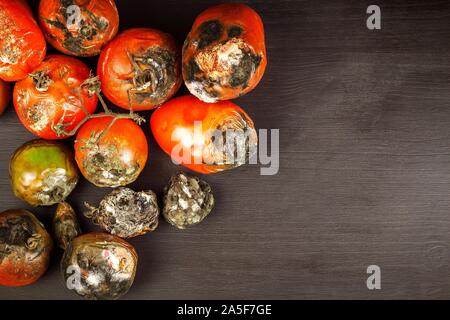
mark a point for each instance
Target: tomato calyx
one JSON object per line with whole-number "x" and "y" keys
{"x": 150, "y": 80}
{"x": 41, "y": 80}
{"x": 92, "y": 86}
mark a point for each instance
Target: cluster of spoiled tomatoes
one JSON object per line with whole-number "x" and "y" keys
{"x": 56, "y": 97}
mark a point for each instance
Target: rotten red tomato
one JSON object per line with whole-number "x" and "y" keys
{"x": 204, "y": 137}
{"x": 22, "y": 44}
{"x": 79, "y": 27}
{"x": 224, "y": 55}
{"x": 25, "y": 248}
{"x": 140, "y": 69}
{"x": 111, "y": 151}
{"x": 55, "y": 98}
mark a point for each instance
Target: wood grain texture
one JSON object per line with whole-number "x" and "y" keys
{"x": 364, "y": 119}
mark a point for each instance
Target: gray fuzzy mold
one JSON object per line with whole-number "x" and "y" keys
{"x": 187, "y": 201}
{"x": 126, "y": 213}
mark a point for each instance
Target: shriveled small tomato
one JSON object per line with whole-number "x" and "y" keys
{"x": 5, "y": 95}
{"x": 224, "y": 55}
{"x": 50, "y": 101}
{"x": 43, "y": 172}
{"x": 140, "y": 68}
{"x": 25, "y": 248}
{"x": 22, "y": 44}
{"x": 65, "y": 225}
{"x": 204, "y": 137}
{"x": 79, "y": 27}
{"x": 111, "y": 154}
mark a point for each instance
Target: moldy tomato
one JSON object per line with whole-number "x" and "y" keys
{"x": 25, "y": 248}
{"x": 50, "y": 101}
{"x": 126, "y": 213}
{"x": 140, "y": 68}
{"x": 22, "y": 44}
{"x": 82, "y": 36}
{"x": 43, "y": 172}
{"x": 111, "y": 152}
{"x": 224, "y": 55}
{"x": 107, "y": 266}
{"x": 204, "y": 137}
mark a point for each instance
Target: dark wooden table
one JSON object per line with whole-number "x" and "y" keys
{"x": 364, "y": 119}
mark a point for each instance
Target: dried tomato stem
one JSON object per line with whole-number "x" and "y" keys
{"x": 116, "y": 116}
{"x": 92, "y": 84}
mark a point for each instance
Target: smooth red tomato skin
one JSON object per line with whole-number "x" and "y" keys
{"x": 129, "y": 65}
{"x": 98, "y": 25}
{"x": 39, "y": 110}
{"x": 183, "y": 113}
{"x": 118, "y": 158}
{"x": 22, "y": 43}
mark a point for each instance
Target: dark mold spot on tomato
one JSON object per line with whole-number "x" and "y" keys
{"x": 192, "y": 69}
{"x": 209, "y": 32}
{"x": 155, "y": 74}
{"x": 228, "y": 64}
{"x": 17, "y": 232}
{"x": 243, "y": 72}
{"x": 235, "y": 31}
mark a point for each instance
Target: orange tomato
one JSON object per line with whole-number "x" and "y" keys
{"x": 22, "y": 44}
{"x": 204, "y": 137}
{"x": 111, "y": 154}
{"x": 141, "y": 68}
{"x": 224, "y": 55}
{"x": 52, "y": 96}
{"x": 79, "y": 27}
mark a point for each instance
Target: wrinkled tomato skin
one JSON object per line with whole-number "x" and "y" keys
{"x": 99, "y": 24}
{"x": 224, "y": 55}
{"x": 176, "y": 119}
{"x": 29, "y": 248}
{"x": 118, "y": 158}
{"x": 141, "y": 66}
{"x": 5, "y": 95}
{"x": 40, "y": 110}
{"x": 22, "y": 43}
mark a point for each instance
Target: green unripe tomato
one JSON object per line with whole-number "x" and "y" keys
{"x": 43, "y": 173}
